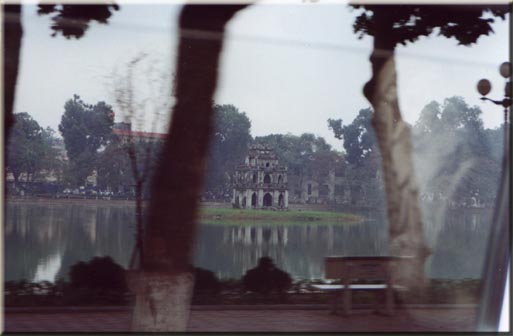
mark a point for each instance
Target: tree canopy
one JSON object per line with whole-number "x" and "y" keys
{"x": 229, "y": 144}
{"x": 30, "y": 147}
{"x": 457, "y": 157}
{"x": 85, "y": 128}
{"x": 406, "y": 23}
{"x": 72, "y": 20}
{"x": 358, "y": 137}
{"x": 306, "y": 154}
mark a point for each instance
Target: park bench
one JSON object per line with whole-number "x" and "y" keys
{"x": 354, "y": 274}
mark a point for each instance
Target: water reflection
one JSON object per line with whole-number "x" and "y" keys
{"x": 43, "y": 241}
{"x": 299, "y": 249}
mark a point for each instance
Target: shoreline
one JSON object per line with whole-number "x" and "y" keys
{"x": 217, "y": 213}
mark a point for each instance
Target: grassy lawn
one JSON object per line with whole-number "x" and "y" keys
{"x": 222, "y": 216}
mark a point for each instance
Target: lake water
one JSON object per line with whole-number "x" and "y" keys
{"x": 43, "y": 240}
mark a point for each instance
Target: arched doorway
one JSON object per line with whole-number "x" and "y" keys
{"x": 281, "y": 201}
{"x": 255, "y": 177}
{"x": 254, "y": 200}
{"x": 267, "y": 179}
{"x": 237, "y": 202}
{"x": 243, "y": 202}
{"x": 268, "y": 200}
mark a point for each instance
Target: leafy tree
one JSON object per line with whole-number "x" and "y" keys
{"x": 69, "y": 20}
{"x": 362, "y": 156}
{"x": 114, "y": 167}
{"x": 30, "y": 148}
{"x": 72, "y": 21}
{"x": 295, "y": 151}
{"x": 229, "y": 144}
{"x": 391, "y": 25}
{"x": 85, "y": 129}
{"x": 358, "y": 137}
{"x": 456, "y": 153}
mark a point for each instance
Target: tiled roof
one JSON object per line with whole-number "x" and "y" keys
{"x": 139, "y": 134}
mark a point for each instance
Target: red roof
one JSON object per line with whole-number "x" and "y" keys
{"x": 138, "y": 134}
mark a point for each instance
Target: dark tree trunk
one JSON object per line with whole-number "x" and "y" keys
{"x": 394, "y": 139}
{"x": 164, "y": 286}
{"x": 13, "y": 34}
{"x": 16, "y": 179}
{"x": 138, "y": 252}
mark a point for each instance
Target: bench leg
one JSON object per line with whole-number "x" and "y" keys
{"x": 346, "y": 308}
{"x": 334, "y": 305}
{"x": 378, "y": 300}
{"x": 389, "y": 301}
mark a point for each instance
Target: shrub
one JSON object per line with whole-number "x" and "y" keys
{"x": 205, "y": 282}
{"x": 99, "y": 281}
{"x": 266, "y": 278}
{"x": 101, "y": 273}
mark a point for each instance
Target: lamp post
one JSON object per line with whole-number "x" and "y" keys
{"x": 498, "y": 256}
{"x": 484, "y": 87}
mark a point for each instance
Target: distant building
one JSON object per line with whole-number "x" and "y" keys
{"x": 260, "y": 182}
{"x": 124, "y": 132}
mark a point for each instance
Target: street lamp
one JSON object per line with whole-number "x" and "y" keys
{"x": 498, "y": 257}
{"x": 484, "y": 87}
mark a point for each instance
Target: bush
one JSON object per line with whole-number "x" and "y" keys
{"x": 101, "y": 273}
{"x": 205, "y": 282}
{"x": 99, "y": 281}
{"x": 266, "y": 278}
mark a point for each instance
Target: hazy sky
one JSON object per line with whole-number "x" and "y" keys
{"x": 289, "y": 67}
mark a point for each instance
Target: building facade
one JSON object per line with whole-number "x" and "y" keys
{"x": 123, "y": 130}
{"x": 260, "y": 183}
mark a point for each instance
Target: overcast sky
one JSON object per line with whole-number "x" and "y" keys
{"x": 289, "y": 67}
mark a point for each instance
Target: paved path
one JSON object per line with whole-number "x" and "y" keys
{"x": 425, "y": 319}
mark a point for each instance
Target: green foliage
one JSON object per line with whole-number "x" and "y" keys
{"x": 229, "y": 144}
{"x": 266, "y": 278}
{"x": 205, "y": 282}
{"x": 358, "y": 137}
{"x": 79, "y": 15}
{"x": 98, "y": 273}
{"x": 458, "y": 157}
{"x": 85, "y": 129}
{"x": 30, "y": 148}
{"x": 362, "y": 156}
{"x": 406, "y": 23}
{"x": 303, "y": 155}
{"x": 226, "y": 216}
{"x": 114, "y": 167}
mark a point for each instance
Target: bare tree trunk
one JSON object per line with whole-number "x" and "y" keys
{"x": 394, "y": 137}
{"x": 163, "y": 288}
{"x": 13, "y": 34}
{"x": 138, "y": 252}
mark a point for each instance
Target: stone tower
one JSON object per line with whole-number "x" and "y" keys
{"x": 260, "y": 182}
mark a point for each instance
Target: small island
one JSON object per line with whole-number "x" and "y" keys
{"x": 221, "y": 216}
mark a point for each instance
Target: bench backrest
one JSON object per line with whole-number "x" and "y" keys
{"x": 349, "y": 268}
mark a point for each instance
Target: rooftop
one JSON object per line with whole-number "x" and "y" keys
{"x": 139, "y": 134}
